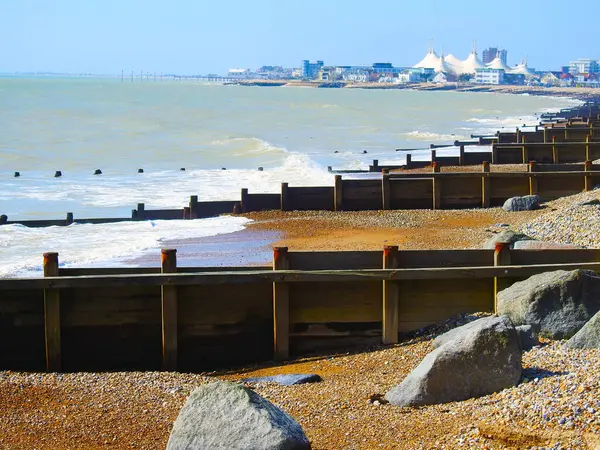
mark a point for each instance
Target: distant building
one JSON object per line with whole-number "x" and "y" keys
{"x": 489, "y": 76}
{"x": 410, "y": 76}
{"x": 311, "y": 70}
{"x": 489, "y": 54}
{"x": 584, "y": 66}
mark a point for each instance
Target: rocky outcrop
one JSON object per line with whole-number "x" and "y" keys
{"x": 506, "y": 237}
{"x": 588, "y": 336}
{"x": 476, "y": 359}
{"x": 525, "y": 203}
{"x": 226, "y": 415}
{"x": 556, "y": 304}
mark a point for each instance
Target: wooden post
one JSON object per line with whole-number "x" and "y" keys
{"x": 70, "y": 219}
{"x": 525, "y": 152}
{"x": 501, "y": 258}
{"x": 518, "y": 136}
{"x": 545, "y": 134}
{"x": 408, "y": 160}
{"x": 461, "y": 155}
{"x": 281, "y": 307}
{"x": 193, "y": 207}
{"x": 284, "y": 196}
{"x": 245, "y": 200}
{"x": 555, "y": 158}
{"x": 3, "y": 219}
{"x": 375, "y": 165}
{"x": 494, "y": 154}
{"x": 338, "y": 193}
{"x": 435, "y": 167}
{"x": 391, "y": 300}
{"x": 52, "y": 316}
{"x": 433, "y": 156}
{"x": 485, "y": 185}
{"x": 587, "y": 148}
{"x": 168, "y": 258}
{"x": 141, "y": 211}
{"x": 588, "y": 186}
{"x": 186, "y": 213}
{"x": 533, "y": 181}
{"x": 437, "y": 193}
{"x": 385, "y": 191}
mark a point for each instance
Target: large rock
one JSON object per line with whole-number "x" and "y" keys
{"x": 226, "y": 415}
{"x": 557, "y": 304}
{"x": 288, "y": 379}
{"x": 543, "y": 245}
{"x": 476, "y": 359}
{"x": 506, "y": 237}
{"x": 525, "y": 203}
{"x": 528, "y": 338}
{"x": 588, "y": 336}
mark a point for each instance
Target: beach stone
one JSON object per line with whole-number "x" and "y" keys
{"x": 286, "y": 379}
{"x": 556, "y": 304}
{"x": 527, "y": 337}
{"x": 476, "y": 359}
{"x": 506, "y": 237}
{"x": 225, "y": 415}
{"x": 588, "y": 336}
{"x": 525, "y": 203}
{"x": 542, "y": 245}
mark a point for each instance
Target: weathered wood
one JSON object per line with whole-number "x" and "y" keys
{"x": 334, "y": 260}
{"x": 52, "y": 316}
{"x": 390, "y": 297}
{"x": 338, "y": 194}
{"x": 281, "y": 307}
{"x": 588, "y": 180}
{"x": 284, "y": 197}
{"x": 169, "y": 312}
{"x": 501, "y": 258}
{"x": 437, "y": 193}
{"x": 485, "y": 186}
{"x": 533, "y": 181}
{"x": 555, "y": 157}
{"x": 385, "y": 191}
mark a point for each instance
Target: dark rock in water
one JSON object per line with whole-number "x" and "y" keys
{"x": 527, "y": 337}
{"x": 506, "y": 237}
{"x": 223, "y": 168}
{"x": 525, "y": 203}
{"x": 97, "y": 172}
{"x": 286, "y": 379}
{"x": 260, "y": 169}
{"x": 17, "y": 174}
{"x": 226, "y": 416}
{"x": 182, "y": 169}
{"x": 476, "y": 359}
{"x": 57, "y": 174}
{"x": 556, "y": 304}
{"x": 140, "y": 170}
{"x": 589, "y": 335}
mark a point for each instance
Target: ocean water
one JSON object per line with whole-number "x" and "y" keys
{"x": 77, "y": 125}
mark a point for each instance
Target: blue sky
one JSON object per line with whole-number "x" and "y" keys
{"x": 199, "y": 36}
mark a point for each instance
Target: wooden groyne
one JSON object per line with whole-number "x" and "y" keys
{"x": 174, "y": 318}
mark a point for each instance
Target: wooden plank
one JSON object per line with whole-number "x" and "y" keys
{"x": 284, "y": 197}
{"x": 485, "y": 186}
{"x": 409, "y": 259}
{"x": 281, "y": 307}
{"x": 338, "y": 193}
{"x": 288, "y": 276}
{"x": 557, "y": 256}
{"x": 52, "y": 316}
{"x": 501, "y": 258}
{"x": 386, "y": 192}
{"x": 390, "y": 298}
{"x": 334, "y": 260}
{"x": 437, "y": 193}
{"x": 169, "y": 312}
{"x": 411, "y": 193}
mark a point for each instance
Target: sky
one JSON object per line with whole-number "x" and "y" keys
{"x": 211, "y": 36}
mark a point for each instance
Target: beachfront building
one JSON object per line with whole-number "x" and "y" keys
{"x": 488, "y": 75}
{"x": 414, "y": 75}
{"x": 584, "y": 66}
{"x": 310, "y": 70}
{"x": 489, "y": 54}
{"x": 239, "y": 73}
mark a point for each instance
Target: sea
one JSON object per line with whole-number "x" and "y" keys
{"x": 219, "y": 134}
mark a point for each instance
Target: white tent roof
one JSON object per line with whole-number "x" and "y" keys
{"x": 443, "y": 66}
{"x": 497, "y": 63}
{"x": 455, "y": 63}
{"x": 522, "y": 69}
{"x": 430, "y": 61}
{"x": 471, "y": 63}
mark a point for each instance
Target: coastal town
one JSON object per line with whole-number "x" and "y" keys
{"x": 491, "y": 69}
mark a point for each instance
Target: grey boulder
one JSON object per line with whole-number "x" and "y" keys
{"x": 542, "y": 245}
{"x": 476, "y": 359}
{"x": 525, "y": 203}
{"x": 226, "y": 415}
{"x": 506, "y": 237}
{"x": 528, "y": 338}
{"x": 556, "y": 304}
{"x": 588, "y": 337}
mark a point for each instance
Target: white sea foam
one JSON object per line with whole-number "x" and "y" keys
{"x": 429, "y": 136}
{"x": 21, "y": 248}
